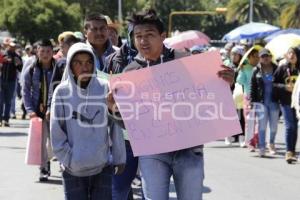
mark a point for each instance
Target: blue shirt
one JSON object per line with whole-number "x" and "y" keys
{"x": 268, "y": 85}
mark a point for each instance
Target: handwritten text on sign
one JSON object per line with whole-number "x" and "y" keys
{"x": 176, "y": 105}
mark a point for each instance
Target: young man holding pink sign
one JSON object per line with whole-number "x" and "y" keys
{"x": 186, "y": 165}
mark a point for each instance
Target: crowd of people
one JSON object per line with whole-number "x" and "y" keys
{"x": 264, "y": 90}
{"x": 60, "y": 86}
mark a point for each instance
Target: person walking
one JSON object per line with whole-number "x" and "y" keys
{"x": 261, "y": 99}
{"x": 12, "y": 64}
{"x": 186, "y": 166}
{"x": 284, "y": 80}
{"x": 79, "y": 130}
{"x": 35, "y": 90}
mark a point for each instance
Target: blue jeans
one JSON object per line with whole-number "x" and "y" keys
{"x": 267, "y": 113}
{"x": 291, "y": 127}
{"x": 6, "y": 94}
{"x": 121, "y": 184}
{"x": 13, "y": 101}
{"x": 88, "y": 188}
{"x": 187, "y": 168}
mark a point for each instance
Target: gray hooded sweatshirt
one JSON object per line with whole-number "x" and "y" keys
{"x": 79, "y": 124}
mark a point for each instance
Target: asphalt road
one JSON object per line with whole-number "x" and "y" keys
{"x": 231, "y": 173}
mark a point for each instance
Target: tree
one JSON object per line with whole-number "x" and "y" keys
{"x": 30, "y": 20}
{"x": 290, "y": 16}
{"x": 105, "y": 7}
{"x": 263, "y": 11}
{"x": 164, "y": 8}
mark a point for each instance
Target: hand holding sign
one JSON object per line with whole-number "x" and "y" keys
{"x": 177, "y": 105}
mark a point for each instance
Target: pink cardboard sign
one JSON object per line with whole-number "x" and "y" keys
{"x": 176, "y": 105}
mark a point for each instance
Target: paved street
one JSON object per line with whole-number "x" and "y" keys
{"x": 231, "y": 173}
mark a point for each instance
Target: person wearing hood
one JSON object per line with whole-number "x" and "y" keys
{"x": 97, "y": 35}
{"x": 79, "y": 129}
{"x": 186, "y": 166}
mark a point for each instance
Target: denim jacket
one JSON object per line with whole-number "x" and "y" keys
{"x": 32, "y": 85}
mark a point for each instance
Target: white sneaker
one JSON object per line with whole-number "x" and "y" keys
{"x": 272, "y": 149}
{"x": 262, "y": 153}
{"x": 228, "y": 141}
{"x": 242, "y": 141}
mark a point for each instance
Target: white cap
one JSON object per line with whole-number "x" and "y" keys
{"x": 238, "y": 50}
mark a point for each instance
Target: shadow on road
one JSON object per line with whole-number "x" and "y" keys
{"x": 224, "y": 147}
{"x": 52, "y": 182}
{"x": 12, "y": 134}
{"x": 8, "y": 147}
{"x": 266, "y": 157}
{"x": 54, "y": 176}
{"x": 206, "y": 189}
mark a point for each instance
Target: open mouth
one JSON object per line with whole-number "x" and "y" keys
{"x": 145, "y": 48}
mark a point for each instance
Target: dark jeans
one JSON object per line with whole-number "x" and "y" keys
{"x": 122, "y": 183}
{"x": 88, "y": 188}
{"x": 7, "y": 90}
{"x": 291, "y": 127}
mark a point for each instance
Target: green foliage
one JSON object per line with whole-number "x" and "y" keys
{"x": 36, "y": 19}
{"x": 290, "y": 16}
{"x": 215, "y": 26}
{"x": 32, "y": 19}
{"x": 263, "y": 11}
{"x": 164, "y": 8}
{"x": 212, "y": 5}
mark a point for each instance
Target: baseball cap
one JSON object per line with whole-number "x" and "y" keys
{"x": 238, "y": 50}
{"x": 264, "y": 51}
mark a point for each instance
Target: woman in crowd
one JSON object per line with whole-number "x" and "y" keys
{"x": 284, "y": 81}
{"x": 266, "y": 109}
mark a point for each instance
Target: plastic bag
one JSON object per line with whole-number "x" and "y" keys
{"x": 34, "y": 143}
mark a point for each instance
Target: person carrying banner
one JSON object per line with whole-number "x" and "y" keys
{"x": 186, "y": 166}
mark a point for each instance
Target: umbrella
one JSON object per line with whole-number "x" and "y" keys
{"x": 250, "y": 31}
{"x": 187, "y": 39}
{"x": 281, "y": 32}
{"x": 280, "y": 44}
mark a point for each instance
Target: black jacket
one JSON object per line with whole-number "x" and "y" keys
{"x": 257, "y": 89}
{"x": 281, "y": 75}
{"x": 9, "y": 68}
{"x": 118, "y": 60}
{"x": 58, "y": 72}
{"x": 140, "y": 62}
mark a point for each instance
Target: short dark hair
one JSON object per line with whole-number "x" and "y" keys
{"x": 82, "y": 52}
{"x": 93, "y": 17}
{"x": 44, "y": 43}
{"x": 147, "y": 17}
{"x": 254, "y": 51}
{"x": 70, "y": 39}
